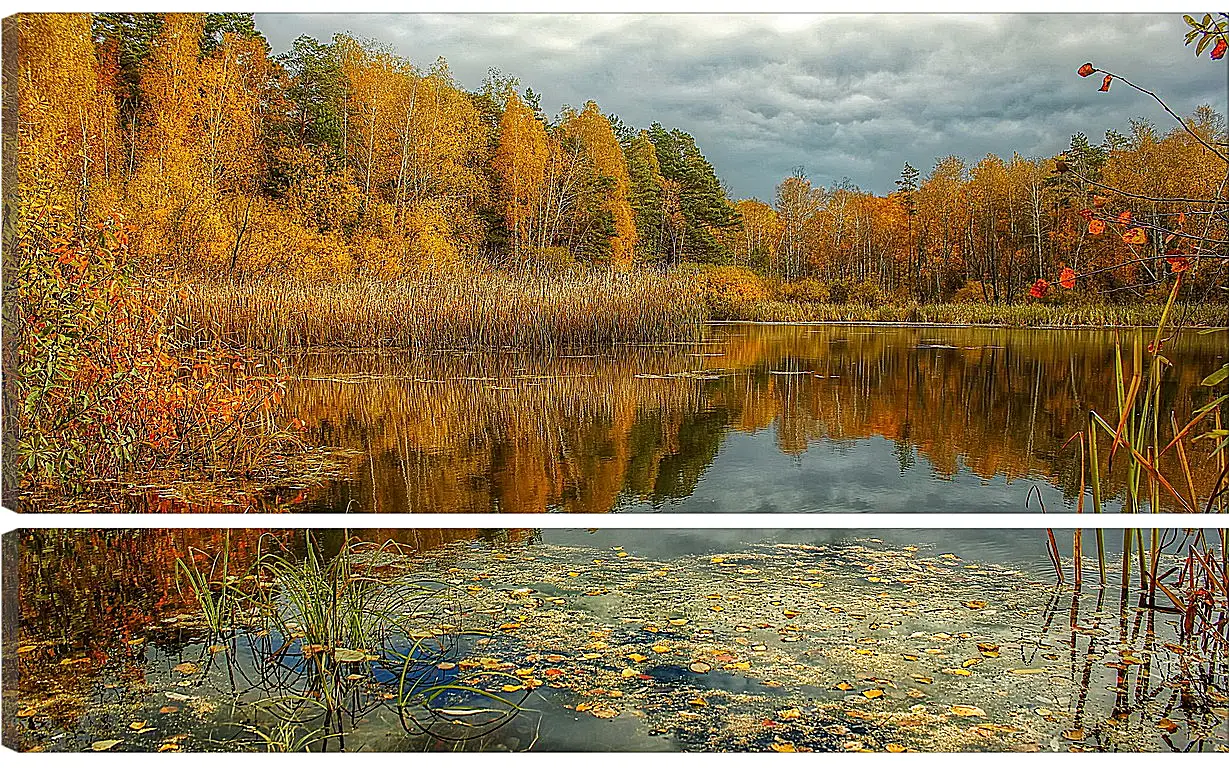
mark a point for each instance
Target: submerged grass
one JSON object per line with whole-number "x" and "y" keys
{"x": 489, "y": 309}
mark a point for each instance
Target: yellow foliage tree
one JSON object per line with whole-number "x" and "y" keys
{"x": 520, "y": 163}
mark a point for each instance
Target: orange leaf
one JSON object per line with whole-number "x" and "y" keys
{"x": 1178, "y": 263}
{"x": 1039, "y": 289}
{"x": 1135, "y": 236}
{"x": 1099, "y": 201}
{"x": 1218, "y": 50}
{"x": 1087, "y": 214}
{"x": 1067, "y": 278}
{"x": 1105, "y": 84}
{"x": 1086, "y": 70}
{"x": 1096, "y": 227}
{"x": 1124, "y": 218}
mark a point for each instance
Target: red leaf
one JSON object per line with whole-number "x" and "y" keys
{"x": 1096, "y": 227}
{"x": 1039, "y": 289}
{"x": 1067, "y": 278}
{"x": 1105, "y": 84}
{"x": 1087, "y": 214}
{"x": 1218, "y": 50}
{"x": 1087, "y": 70}
{"x": 1124, "y": 218}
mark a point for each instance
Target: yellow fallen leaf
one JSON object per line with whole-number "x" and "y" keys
{"x": 783, "y": 746}
{"x": 137, "y": 725}
{"x": 511, "y": 688}
{"x": 661, "y": 649}
{"x": 698, "y": 701}
{"x": 1075, "y": 734}
{"x": 700, "y": 667}
{"x": 717, "y": 608}
{"x": 678, "y": 622}
{"x": 789, "y": 714}
{"x": 104, "y": 745}
{"x": 975, "y": 605}
{"x": 1165, "y": 724}
{"x": 892, "y": 746}
{"x": 960, "y": 672}
{"x": 636, "y": 657}
{"x": 629, "y": 672}
{"x": 967, "y": 710}
{"x": 873, "y": 693}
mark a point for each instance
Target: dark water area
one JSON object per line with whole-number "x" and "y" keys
{"x": 628, "y": 640}
{"x": 752, "y": 418}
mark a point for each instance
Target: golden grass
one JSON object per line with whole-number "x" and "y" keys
{"x": 488, "y": 309}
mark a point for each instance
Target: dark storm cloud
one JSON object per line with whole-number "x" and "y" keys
{"x": 844, "y": 96}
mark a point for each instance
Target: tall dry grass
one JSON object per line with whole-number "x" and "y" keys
{"x": 486, "y": 309}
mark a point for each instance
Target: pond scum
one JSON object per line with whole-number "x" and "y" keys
{"x": 518, "y": 645}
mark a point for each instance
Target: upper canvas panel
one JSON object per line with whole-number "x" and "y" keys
{"x": 819, "y": 264}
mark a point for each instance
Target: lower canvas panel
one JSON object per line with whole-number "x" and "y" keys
{"x": 618, "y": 640}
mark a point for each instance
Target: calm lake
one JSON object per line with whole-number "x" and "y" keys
{"x": 600, "y": 640}
{"x": 750, "y": 418}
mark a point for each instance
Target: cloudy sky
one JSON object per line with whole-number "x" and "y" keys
{"x": 843, "y": 96}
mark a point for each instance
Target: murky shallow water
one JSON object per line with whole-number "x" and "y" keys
{"x": 755, "y": 641}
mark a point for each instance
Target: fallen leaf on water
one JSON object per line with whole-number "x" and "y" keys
{"x": 604, "y": 711}
{"x": 512, "y": 688}
{"x": 636, "y": 657}
{"x": 989, "y": 650}
{"x": 186, "y": 668}
{"x": 661, "y": 649}
{"x": 975, "y": 605}
{"x": 1075, "y": 734}
{"x": 778, "y": 746}
{"x": 137, "y": 725}
{"x": 168, "y": 747}
{"x": 629, "y": 672}
{"x": 909, "y": 656}
{"x": 843, "y": 686}
{"x": 678, "y": 622}
{"x": 789, "y": 714}
{"x": 717, "y": 608}
{"x": 972, "y": 662}
{"x": 552, "y": 672}
{"x": 348, "y": 655}
{"x": 104, "y": 745}
{"x": 168, "y": 710}
{"x": 698, "y": 701}
{"x": 591, "y": 656}
{"x": 28, "y": 648}
{"x": 29, "y": 712}
{"x": 700, "y": 667}
{"x": 892, "y": 746}
{"x": 960, "y": 672}
{"x": 873, "y": 693}
{"x": 790, "y": 613}
{"x": 217, "y": 648}
{"x": 967, "y": 710}
{"x": 1165, "y": 724}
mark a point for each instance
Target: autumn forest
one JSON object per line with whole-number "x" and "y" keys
{"x": 191, "y": 207}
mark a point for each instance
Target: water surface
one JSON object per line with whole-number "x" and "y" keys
{"x": 751, "y": 418}
{"x": 614, "y": 640}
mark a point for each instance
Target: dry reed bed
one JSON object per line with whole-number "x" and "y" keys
{"x": 521, "y": 309}
{"x": 1011, "y": 315}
